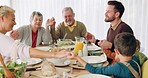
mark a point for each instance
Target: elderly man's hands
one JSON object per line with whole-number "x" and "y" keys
{"x": 90, "y": 37}
{"x": 104, "y": 44}
{"x": 50, "y": 22}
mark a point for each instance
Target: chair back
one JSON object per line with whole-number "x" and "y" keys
{"x": 145, "y": 69}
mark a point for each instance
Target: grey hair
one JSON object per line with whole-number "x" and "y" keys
{"x": 35, "y": 13}
{"x": 5, "y": 10}
{"x": 67, "y": 8}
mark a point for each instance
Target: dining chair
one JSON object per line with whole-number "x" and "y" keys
{"x": 145, "y": 69}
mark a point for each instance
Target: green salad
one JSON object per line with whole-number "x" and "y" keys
{"x": 63, "y": 43}
{"x": 18, "y": 69}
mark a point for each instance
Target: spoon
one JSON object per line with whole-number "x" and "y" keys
{"x": 7, "y": 73}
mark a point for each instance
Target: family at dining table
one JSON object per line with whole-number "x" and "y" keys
{"x": 120, "y": 44}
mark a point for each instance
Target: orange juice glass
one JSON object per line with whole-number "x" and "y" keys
{"x": 78, "y": 46}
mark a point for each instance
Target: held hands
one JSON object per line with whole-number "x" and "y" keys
{"x": 112, "y": 55}
{"x": 65, "y": 54}
{"x": 50, "y": 22}
{"x": 90, "y": 37}
{"x": 61, "y": 54}
{"x": 14, "y": 34}
{"x": 104, "y": 44}
{"x": 71, "y": 55}
{"x": 109, "y": 54}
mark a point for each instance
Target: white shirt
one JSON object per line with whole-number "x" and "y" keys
{"x": 9, "y": 48}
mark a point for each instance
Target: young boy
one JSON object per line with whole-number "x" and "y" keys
{"x": 125, "y": 47}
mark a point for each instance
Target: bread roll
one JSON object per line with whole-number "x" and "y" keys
{"x": 48, "y": 69}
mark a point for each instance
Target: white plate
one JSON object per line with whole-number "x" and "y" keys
{"x": 93, "y": 76}
{"x": 59, "y": 62}
{"x": 81, "y": 67}
{"x": 93, "y": 48}
{"x": 76, "y": 66}
{"x": 33, "y": 61}
{"x": 44, "y": 48}
{"x": 66, "y": 63}
{"x": 94, "y": 59}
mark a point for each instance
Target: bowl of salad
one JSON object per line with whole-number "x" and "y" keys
{"x": 63, "y": 42}
{"x": 17, "y": 69}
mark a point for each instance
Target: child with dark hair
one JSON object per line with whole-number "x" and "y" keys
{"x": 125, "y": 48}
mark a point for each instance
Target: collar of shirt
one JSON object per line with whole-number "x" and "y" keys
{"x": 71, "y": 28}
{"x": 116, "y": 25}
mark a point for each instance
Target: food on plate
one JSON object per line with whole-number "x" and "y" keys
{"x": 48, "y": 69}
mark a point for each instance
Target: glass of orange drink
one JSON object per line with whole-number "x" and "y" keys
{"x": 78, "y": 44}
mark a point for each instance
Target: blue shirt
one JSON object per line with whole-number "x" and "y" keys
{"x": 118, "y": 70}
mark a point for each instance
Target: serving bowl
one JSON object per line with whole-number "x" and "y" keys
{"x": 59, "y": 62}
{"x": 17, "y": 69}
{"x": 63, "y": 42}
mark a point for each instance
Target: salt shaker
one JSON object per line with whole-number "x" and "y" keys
{"x": 85, "y": 50}
{"x": 80, "y": 53}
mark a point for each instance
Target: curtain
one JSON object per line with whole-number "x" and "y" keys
{"x": 90, "y": 12}
{"x": 5, "y": 2}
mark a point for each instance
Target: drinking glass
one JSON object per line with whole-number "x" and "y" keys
{"x": 78, "y": 44}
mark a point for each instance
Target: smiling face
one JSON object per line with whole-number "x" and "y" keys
{"x": 110, "y": 14}
{"x": 69, "y": 17}
{"x": 37, "y": 21}
{"x": 7, "y": 22}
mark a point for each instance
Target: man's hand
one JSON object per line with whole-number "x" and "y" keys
{"x": 14, "y": 34}
{"x": 50, "y": 22}
{"x": 90, "y": 37}
{"x": 104, "y": 44}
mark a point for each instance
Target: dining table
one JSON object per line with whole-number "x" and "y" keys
{"x": 72, "y": 70}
